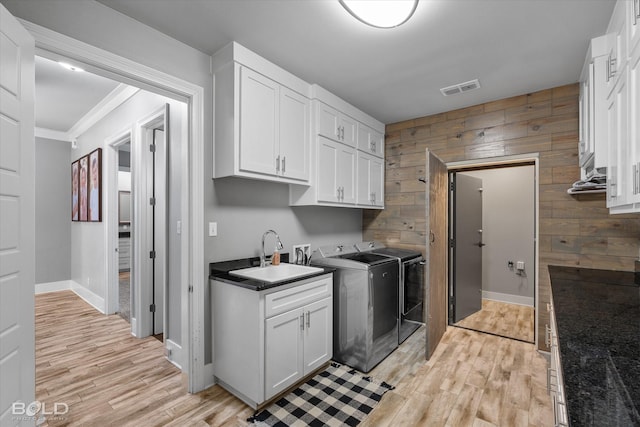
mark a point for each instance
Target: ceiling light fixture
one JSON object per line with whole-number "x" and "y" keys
{"x": 70, "y": 67}
{"x": 381, "y": 13}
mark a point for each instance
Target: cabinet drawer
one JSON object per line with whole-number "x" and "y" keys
{"x": 297, "y": 296}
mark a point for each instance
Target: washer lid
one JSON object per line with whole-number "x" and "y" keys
{"x": 366, "y": 258}
{"x": 403, "y": 254}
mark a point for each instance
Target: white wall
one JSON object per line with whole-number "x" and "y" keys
{"x": 53, "y": 211}
{"x": 508, "y": 224}
{"x": 89, "y": 239}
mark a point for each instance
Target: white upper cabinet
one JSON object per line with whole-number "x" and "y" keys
{"x": 348, "y": 147}
{"x": 370, "y": 141}
{"x": 623, "y": 109}
{"x": 295, "y": 113}
{"x": 593, "y": 99}
{"x": 633, "y": 24}
{"x": 262, "y": 119}
{"x": 335, "y": 125}
{"x": 370, "y": 180}
{"x": 336, "y": 172}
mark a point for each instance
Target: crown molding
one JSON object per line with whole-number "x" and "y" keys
{"x": 113, "y": 100}
{"x": 52, "y": 134}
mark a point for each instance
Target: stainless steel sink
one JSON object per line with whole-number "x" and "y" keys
{"x": 276, "y": 273}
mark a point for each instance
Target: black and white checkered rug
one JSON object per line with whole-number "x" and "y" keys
{"x": 337, "y": 396}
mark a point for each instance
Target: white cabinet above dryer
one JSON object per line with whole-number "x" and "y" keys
{"x": 262, "y": 119}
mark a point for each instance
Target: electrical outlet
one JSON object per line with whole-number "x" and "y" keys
{"x": 300, "y": 254}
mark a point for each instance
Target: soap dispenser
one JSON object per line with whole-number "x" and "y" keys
{"x": 275, "y": 258}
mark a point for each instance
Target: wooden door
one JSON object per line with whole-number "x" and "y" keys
{"x": 436, "y": 252}
{"x": 466, "y": 196}
{"x": 17, "y": 221}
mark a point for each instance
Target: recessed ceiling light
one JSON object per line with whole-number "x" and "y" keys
{"x": 381, "y": 13}
{"x": 70, "y": 67}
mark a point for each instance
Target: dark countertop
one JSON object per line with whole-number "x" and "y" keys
{"x": 598, "y": 319}
{"x": 220, "y": 271}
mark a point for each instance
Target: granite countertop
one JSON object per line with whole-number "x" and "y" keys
{"x": 220, "y": 271}
{"x": 598, "y": 319}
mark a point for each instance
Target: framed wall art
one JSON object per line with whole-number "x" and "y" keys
{"x": 83, "y": 172}
{"x": 95, "y": 186}
{"x": 75, "y": 187}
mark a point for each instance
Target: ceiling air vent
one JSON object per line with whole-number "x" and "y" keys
{"x": 460, "y": 87}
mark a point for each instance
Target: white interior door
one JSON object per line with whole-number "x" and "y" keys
{"x": 17, "y": 222}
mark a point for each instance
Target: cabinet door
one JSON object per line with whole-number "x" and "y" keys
{"x": 327, "y": 164}
{"x": 634, "y": 24}
{"x": 364, "y": 193}
{"x": 258, "y": 122}
{"x": 370, "y": 141}
{"x": 376, "y": 181}
{"x": 294, "y": 135}
{"x": 348, "y": 130}
{"x": 584, "y": 147}
{"x": 634, "y": 125}
{"x": 318, "y": 334}
{"x": 346, "y": 171}
{"x": 617, "y": 56}
{"x": 617, "y": 110}
{"x": 283, "y": 351}
{"x": 370, "y": 180}
{"x": 328, "y": 122}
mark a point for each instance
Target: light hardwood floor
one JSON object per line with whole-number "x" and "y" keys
{"x": 507, "y": 320}
{"x": 107, "y": 377}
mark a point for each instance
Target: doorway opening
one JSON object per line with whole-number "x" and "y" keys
{"x": 125, "y": 222}
{"x": 492, "y": 249}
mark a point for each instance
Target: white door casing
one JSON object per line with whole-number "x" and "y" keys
{"x": 193, "y": 280}
{"x": 17, "y": 220}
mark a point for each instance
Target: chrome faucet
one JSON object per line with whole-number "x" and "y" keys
{"x": 263, "y": 256}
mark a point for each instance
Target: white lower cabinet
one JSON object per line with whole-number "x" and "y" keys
{"x": 297, "y": 343}
{"x": 267, "y": 341}
{"x": 555, "y": 380}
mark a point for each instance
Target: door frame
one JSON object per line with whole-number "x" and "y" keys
{"x": 111, "y": 230}
{"x": 488, "y": 163}
{"x": 52, "y": 45}
{"x": 145, "y": 235}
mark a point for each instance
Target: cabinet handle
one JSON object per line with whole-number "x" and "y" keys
{"x": 284, "y": 159}
{"x": 278, "y": 164}
{"x": 636, "y": 10}
{"x": 611, "y": 70}
{"x": 338, "y": 132}
{"x": 342, "y": 137}
{"x": 338, "y": 193}
{"x": 302, "y": 322}
{"x": 342, "y": 193}
{"x": 547, "y": 335}
{"x": 548, "y": 308}
{"x": 308, "y": 319}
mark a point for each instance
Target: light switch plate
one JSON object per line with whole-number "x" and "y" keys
{"x": 213, "y": 229}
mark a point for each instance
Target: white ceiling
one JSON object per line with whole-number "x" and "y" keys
{"x": 512, "y": 46}
{"x": 64, "y": 97}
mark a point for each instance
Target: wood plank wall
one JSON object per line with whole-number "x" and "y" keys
{"x": 574, "y": 231}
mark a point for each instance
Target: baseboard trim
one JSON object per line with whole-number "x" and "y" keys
{"x": 62, "y": 285}
{"x": 508, "y": 298}
{"x": 91, "y": 298}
